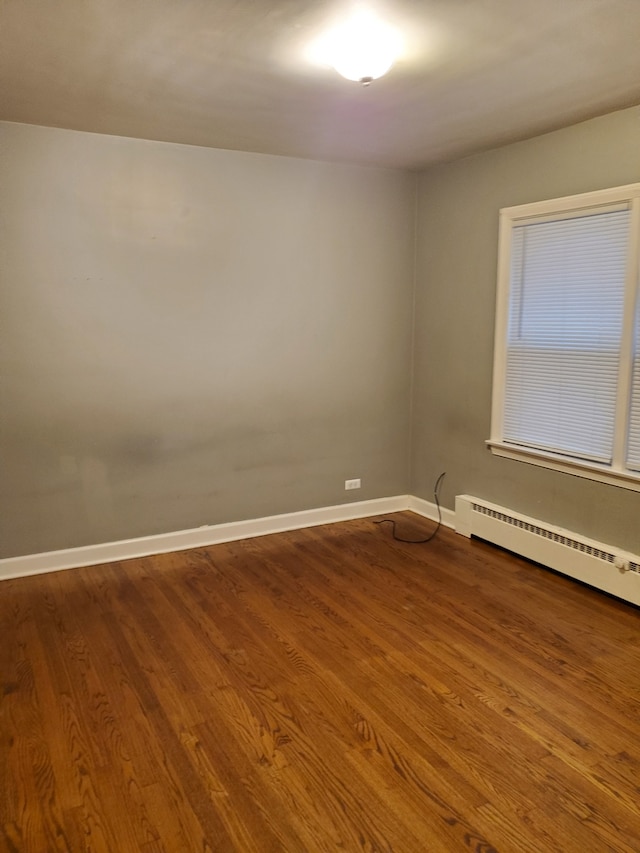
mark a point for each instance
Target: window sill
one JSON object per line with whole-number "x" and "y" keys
{"x": 576, "y": 467}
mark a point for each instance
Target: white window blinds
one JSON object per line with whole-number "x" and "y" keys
{"x": 566, "y": 311}
{"x": 633, "y": 441}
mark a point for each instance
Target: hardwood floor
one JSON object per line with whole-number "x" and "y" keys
{"x": 321, "y": 690}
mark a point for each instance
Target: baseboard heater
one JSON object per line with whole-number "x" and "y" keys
{"x": 603, "y": 566}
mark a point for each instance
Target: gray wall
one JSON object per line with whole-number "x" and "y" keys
{"x": 457, "y": 233}
{"x": 192, "y": 336}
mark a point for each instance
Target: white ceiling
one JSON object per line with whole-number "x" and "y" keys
{"x": 234, "y": 74}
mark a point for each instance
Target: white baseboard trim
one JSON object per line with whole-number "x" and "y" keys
{"x": 430, "y": 510}
{"x": 181, "y": 540}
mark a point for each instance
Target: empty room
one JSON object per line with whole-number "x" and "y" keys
{"x": 319, "y": 426}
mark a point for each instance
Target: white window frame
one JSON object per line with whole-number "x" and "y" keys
{"x": 614, "y": 473}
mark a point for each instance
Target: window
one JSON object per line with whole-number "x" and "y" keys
{"x": 566, "y": 387}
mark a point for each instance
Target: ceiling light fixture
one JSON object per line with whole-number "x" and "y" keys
{"x": 363, "y": 48}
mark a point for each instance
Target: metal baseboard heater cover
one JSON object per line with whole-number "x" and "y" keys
{"x": 603, "y": 566}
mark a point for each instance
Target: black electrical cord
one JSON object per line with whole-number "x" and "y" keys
{"x": 392, "y": 521}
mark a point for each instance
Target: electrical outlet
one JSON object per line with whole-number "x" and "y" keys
{"x": 352, "y": 484}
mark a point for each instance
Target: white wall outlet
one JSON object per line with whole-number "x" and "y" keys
{"x": 352, "y": 484}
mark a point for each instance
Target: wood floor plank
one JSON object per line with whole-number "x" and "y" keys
{"x": 319, "y": 690}
{"x": 278, "y": 738}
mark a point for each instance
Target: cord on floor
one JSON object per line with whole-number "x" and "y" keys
{"x": 392, "y": 521}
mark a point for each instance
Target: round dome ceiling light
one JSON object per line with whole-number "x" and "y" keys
{"x": 363, "y": 48}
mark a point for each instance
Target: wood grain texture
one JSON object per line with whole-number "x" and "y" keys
{"x": 320, "y": 690}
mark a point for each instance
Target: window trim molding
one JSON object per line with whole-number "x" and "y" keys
{"x": 525, "y": 213}
{"x": 577, "y": 467}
